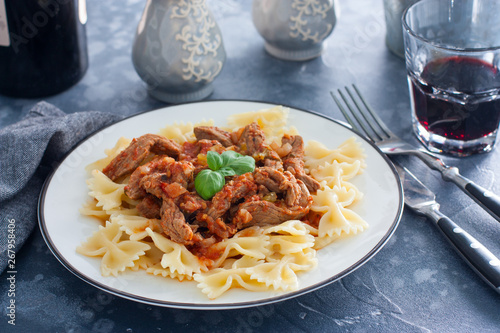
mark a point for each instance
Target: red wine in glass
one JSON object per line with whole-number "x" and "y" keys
{"x": 457, "y": 98}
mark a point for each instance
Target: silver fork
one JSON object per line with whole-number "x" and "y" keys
{"x": 375, "y": 130}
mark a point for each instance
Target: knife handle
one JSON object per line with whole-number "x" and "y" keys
{"x": 479, "y": 258}
{"x": 486, "y": 199}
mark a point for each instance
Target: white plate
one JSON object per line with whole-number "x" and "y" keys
{"x": 65, "y": 191}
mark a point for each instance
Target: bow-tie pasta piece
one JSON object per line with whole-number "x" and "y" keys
{"x": 277, "y": 274}
{"x": 289, "y": 237}
{"x": 336, "y": 219}
{"x": 135, "y": 226}
{"x": 321, "y": 242}
{"x": 272, "y": 121}
{"x": 176, "y": 257}
{"x": 90, "y": 208}
{"x": 283, "y": 244}
{"x": 291, "y": 227}
{"x": 253, "y": 246}
{"x": 109, "y": 195}
{"x": 345, "y": 195}
{"x": 158, "y": 270}
{"x": 217, "y": 281}
{"x": 117, "y": 254}
{"x": 151, "y": 258}
{"x": 336, "y": 175}
{"x": 182, "y": 132}
{"x": 317, "y": 154}
{"x": 304, "y": 260}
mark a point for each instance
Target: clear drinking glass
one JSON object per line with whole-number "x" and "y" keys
{"x": 452, "y": 52}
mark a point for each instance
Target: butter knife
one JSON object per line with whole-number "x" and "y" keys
{"x": 423, "y": 201}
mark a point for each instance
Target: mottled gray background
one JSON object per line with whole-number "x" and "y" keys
{"x": 416, "y": 283}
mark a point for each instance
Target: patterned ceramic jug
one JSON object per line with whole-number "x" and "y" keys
{"x": 178, "y": 50}
{"x": 294, "y": 29}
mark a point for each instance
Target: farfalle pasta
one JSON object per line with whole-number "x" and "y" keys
{"x": 182, "y": 132}
{"x": 273, "y": 122}
{"x": 176, "y": 257}
{"x": 350, "y": 152}
{"x": 107, "y": 193}
{"x": 249, "y": 246}
{"x": 135, "y": 226}
{"x": 335, "y": 218}
{"x": 307, "y": 203}
{"x": 117, "y": 254}
{"x": 337, "y": 175}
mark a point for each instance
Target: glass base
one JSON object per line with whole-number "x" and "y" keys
{"x": 439, "y": 144}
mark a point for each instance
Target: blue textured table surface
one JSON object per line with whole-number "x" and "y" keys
{"x": 415, "y": 283}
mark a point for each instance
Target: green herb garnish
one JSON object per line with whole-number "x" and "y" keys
{"x": 229, "y": 163}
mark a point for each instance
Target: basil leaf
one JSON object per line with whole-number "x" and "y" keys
{"x": 242, "y": 164}
{"x": 228, "y": 156}
{"x": 229, "y": 163}
{"x": 226, "y": 171}
{"x": 214, "y": 160}
{"x": 208, "y": 182}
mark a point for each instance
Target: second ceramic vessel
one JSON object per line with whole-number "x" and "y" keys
{"x": 178, "y": 50}
{"x": 294, "y": 29}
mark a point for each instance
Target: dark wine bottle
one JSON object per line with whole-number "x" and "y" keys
{"x": 43, "y": 46}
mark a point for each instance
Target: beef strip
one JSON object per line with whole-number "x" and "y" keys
{"x": 234, "y": 190}
{"x": 174, "y": 224}
{"x": 272, "y": 163}
{"x": 158, "y": 165}
{"x": 294, "y": 161}
{"x": 160, "y": 170}
{"x": 172, "y": 190}
{"x": 272, "y": 179}
{"x": 281, "y": 182}
{"x": 252, "y": 142}
{"x": 191, "y": 203}
{"x": 297, "y": 144}
{"x": 263, "y": 191}
{"x": 295, "y": 205}
{"x": 159, "y": 186}
{"x": 267, "y": 213}
{"x": 213, "y": 133}
{"x": 305, "y": 199}
{"x": 150, "y": 207}
{"x": 242, "y": 218}
{"x": 152, "y": 184}
{"x": 311, "y": 183}
{"x": 293, "y": 191}
{"x": 174, "y": 199}
{"x": 191, "y": 150}
{"x": 132, "y": 156}
{"x": 219, "y": 228}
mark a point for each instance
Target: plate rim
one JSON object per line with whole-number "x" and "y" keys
{"x": 218, "y": 306}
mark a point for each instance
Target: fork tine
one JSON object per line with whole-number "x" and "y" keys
{"x": 353, "y": 112}
{"x": 364, "y": 115}
{"x": 377, "y": 119}
{"x": 344, "y": 112}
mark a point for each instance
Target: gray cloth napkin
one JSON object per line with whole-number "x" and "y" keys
{"x": 29, "y": 151}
